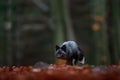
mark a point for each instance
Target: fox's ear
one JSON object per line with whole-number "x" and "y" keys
{"x": 63, "y": 48}
{"x": 57, "y": 47}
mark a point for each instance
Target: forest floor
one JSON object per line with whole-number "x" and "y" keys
{"x": 60, "y": 72}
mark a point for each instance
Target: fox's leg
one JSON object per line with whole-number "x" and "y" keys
{"x": 81, "y": 59}
{"x": 74, "y": 61}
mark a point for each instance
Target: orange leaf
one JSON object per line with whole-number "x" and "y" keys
{"x": 96, "y": 27}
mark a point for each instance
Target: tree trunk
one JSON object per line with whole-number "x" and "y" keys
{"x": 68, "y": 21}
{"x": 3, "y": 39}
{"x": 9, "y": 33}
{"x": 116, "y": 28}
{"x": 99, "y": 27}
{"x": 63, "y": 27}
{"x": 58, "y": 14}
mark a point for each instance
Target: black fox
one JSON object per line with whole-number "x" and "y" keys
{"x": 70, "y": 51}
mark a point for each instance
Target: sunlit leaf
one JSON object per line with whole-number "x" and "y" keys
{"x": 96, "y": 27}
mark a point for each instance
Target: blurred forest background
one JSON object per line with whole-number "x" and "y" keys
{"x": 29, "y": 30}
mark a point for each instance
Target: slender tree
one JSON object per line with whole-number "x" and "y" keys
{"x": 99, "y": 27}
{"x": 68, "y": 21}
{"x": 58, "y": 14}
{"x": 116, "y": 27}
{"x": 63, "y": 27}
{"x": 3, "y": 51}
{"x": 9, "y": 33}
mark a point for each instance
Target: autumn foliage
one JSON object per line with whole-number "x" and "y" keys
{"x": 60, "y": 72}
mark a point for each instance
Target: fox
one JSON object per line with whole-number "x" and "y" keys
{"x": 71, "y": 52}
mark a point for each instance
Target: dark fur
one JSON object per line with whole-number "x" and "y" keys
{"x": 69, "y": 50}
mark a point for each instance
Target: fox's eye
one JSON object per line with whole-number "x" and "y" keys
{"x": 63, "y": 48}
{"x": 57, "y": 47}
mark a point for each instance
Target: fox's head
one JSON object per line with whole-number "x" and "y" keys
{"x": 61, "y": 52}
